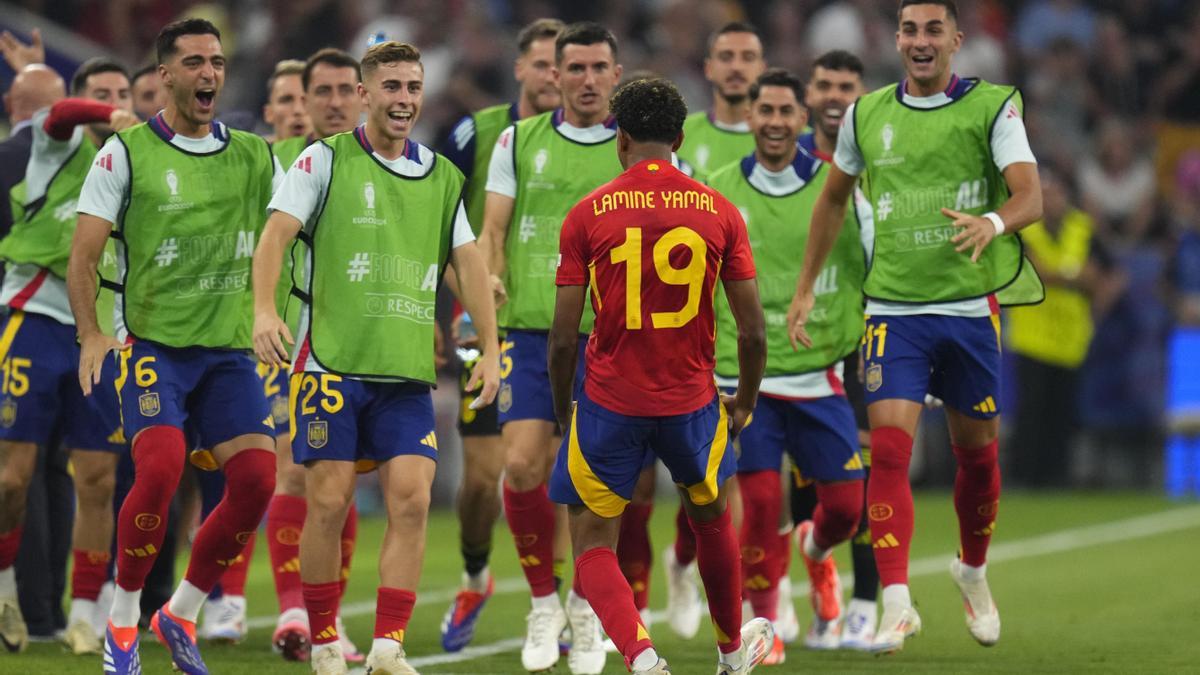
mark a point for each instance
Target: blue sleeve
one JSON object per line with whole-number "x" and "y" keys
{"x": 459, "y": 146}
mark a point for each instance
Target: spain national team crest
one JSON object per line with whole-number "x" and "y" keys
{"x": 318, "y": 434}
{"x": 504, "y": 400}
{"x": 8, "y": 412}
{"x": 874, "y": 378}
{"x": 148, "y": 404}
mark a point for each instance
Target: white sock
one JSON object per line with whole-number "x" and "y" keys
{"x": 384, "y": 645}
{"x": 897, "y": 594}
{"x": 734, "y": 659}
{"x": 860, "y": 606}
{"x": 187, "y": 601}
{"x": 126, "y": 607}
{"x": 574, "y": 599}
{"x": 812, "y": 550}
{"x": 477, "y": 583}
{"x": 646, "y": 660}
{"x": 81, "y": 610}
{"x": 546, "y": 602}
{"x": 8, "y": 582}
{"x": 973, "y": 573}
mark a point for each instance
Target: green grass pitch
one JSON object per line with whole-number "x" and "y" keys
{"x": 1085, "y": 583}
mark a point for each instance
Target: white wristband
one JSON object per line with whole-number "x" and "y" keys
{"x": 997, "y": 221}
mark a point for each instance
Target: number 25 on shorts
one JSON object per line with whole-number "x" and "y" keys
{"x": 691, "y": 276}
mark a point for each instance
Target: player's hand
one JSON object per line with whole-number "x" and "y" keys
{"x": 93, "y": 349}
{"x": 738, "y": 416}
{"x": 499, "y": 292}
{"x": 797, "y": 316}
{"x": 486, "y": 374}
{"x": 18, "y": 54}
{"x": 974, "y": 232}
{"x": 268, "y": 329}
{"x": 122, "y": 119}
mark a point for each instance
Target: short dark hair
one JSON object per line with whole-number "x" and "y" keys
{"x": 164, "y": 44}
{"x": 584, "y": 33}
{"x": 777, "y": 77}
{"x": 330, "y": 56}
{"x": 839, "y": 59}
{"x": 649, "y": 110}
{"x": 539, "y": 29}
{"x": 94, "y": 66}
{"x": 950, "y": 5}
{"x": 391, "y": 51}
{"x": 148, "y": 69}
{"x": 731, "y": 27}
{"x": 285, "y": 68}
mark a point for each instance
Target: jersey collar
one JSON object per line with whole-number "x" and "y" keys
{"x": 410, "y": 149}
{"x": 560, "y": 117}
{"x": 159, "y": 125}
{"x": 808, "y": 143}
{"x": 955, "y": 90}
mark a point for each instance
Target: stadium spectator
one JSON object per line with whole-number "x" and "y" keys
{"x": 1117, "y": 186}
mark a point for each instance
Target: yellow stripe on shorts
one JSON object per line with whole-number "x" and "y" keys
{"x": 595, "y": 494}
{"x": 10, "y": 332}
{"x": 705, "y": 493}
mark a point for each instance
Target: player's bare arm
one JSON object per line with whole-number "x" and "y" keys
{"x": 563, "y": 348}
{"x": 471, "y": 272}
{"x": 1023, "y": 208}
{"x": 270, "y": 331}
{"x": 828, "y": 215}
{"x": 497, "y": 212}
{"x": 91, "y": 234}
{"x": 752, "y": 349}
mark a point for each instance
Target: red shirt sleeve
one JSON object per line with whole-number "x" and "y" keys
{"x": 738, "y": 264}
{"x": 572, "y": 252}
{"x": 69, "y": 113}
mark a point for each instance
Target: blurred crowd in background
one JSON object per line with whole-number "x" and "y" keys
{"x": 1112, "y": 97}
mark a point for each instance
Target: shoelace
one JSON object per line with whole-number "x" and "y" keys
{"x": 586, "y": 638}
{"x": 539, "y": 623}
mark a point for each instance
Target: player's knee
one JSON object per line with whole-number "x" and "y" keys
{"x": 523, "y": 472}
{"x": 408, "y": 505}
{"x": 290, "y": 481}
{"x": 13, "y": 487}
{"x": 95, "y": 486}
{"x": 250, "y": 475}
{"x": 158, "y": 458}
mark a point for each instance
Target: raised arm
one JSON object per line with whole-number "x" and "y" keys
{"x": 270, "y": 331}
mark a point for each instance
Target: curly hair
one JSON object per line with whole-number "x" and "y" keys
{"x": 649, "y": 110}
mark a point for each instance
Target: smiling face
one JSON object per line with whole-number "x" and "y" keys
{"x": 535, "y": 72}
{"x": 776, "y": 119}
{"x": 927, "y": 40}
{"x": 733, "y": 63}
{"x": 284, "y": 110}
{"x": 332, "y": 99}
{"x": 587, "y": 76}
{"x": 194, "y": 76}
{"x": 828, "y": 94}
{"x": 392, "y": 94}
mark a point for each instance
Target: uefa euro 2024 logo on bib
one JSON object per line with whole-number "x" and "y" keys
{"x": 539, "y": 161}
{"x": 369, "y": 196}
{"x": 888, "y": 135}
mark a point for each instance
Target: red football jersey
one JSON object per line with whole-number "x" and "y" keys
{"x": 651, "y": 243}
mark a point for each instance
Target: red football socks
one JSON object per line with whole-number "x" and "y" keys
{"x": 977, "y": 500}
{"x": 839, "y": 507}
{"x": 634, "y": 553}
{"x": 720, "y": 566}
{"x": 349, "y": 537}
{"x": 233, "y": 581}
{"x": 601, "y": 578}
{"x": 890, "y": 503}
{"x": 285, "y": 521}
{"x": 249, "y": 482}
{"x": 10, "y": 543}
{"x": 685, "y": 539}
{"x": 762, "y": 558}
{"x": 531, "y": 520}
{"x": 158, "y": 454}
{"x": 89, "y": 573}
{"x": 321, "y": 601}
{"x": 393, "y": 609}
